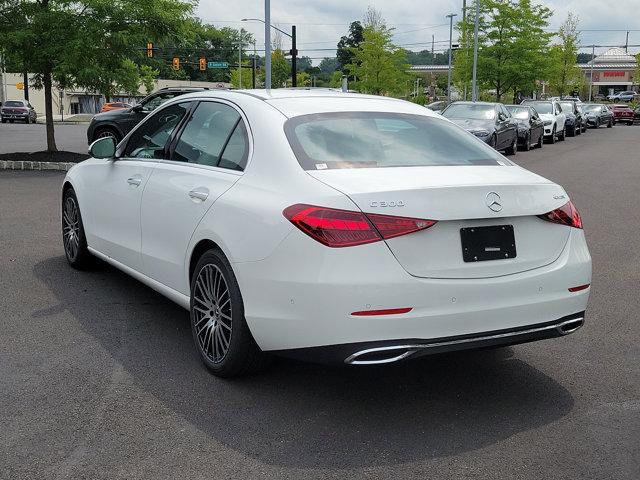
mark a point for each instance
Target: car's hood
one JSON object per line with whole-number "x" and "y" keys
{"x": 113, "y": 114}
{"x": 473, "y": 124}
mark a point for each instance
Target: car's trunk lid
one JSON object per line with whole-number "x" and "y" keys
{"x": 459, "y": 197}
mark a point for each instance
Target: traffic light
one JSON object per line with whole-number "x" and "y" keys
{"x": 203, "y": 64}
{"x": 149, "y": 49}
{"x": 175, "y": 64}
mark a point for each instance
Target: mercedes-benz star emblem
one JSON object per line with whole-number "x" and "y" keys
{"x": 493, "y": 201}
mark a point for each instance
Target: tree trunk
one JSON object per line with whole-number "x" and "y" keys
{"x": 48, "y": 110}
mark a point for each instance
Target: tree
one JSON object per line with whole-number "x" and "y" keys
{"x": 247, "y": 80}
{"x": 344, "y": 53}
{"x": 280, "y": 69}
{"x": 84, "y": 44}
{"x": 513, "y": 42}
{"x": 379, "y": 67}
{"x": 564, "y": 74}
{"x": 329, "y": 65}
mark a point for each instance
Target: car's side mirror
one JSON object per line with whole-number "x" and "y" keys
{"x": 103, "y": 148}
{"x": 137, "y": 108}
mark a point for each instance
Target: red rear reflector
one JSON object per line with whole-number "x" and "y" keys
{"x": 344, "y": 228}
{"x": 564, "y": 215}
{"x": 581, "y": 287}
{"x": 388, "y": 311}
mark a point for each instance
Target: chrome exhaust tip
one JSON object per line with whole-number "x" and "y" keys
{"x": 380, "y": 355}
{"x": 570, "y": 326}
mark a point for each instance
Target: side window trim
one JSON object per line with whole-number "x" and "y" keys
{"x": 175, "y": 136}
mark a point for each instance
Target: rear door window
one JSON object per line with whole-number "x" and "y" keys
{"x": 215, "y": 136}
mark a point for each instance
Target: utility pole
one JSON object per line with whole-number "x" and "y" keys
{"x": 2, "y": 94}
{"x": 450, "y": 17}
{"x": 26, "y": 85}
{"x": 267, "y": 44}
{"x": 474, "y": 88}
{"x": 593, "y": 51}
{"x": 240, "y": 60}
{"x": 294, "y": 58}
{"x": 433, "y": 41}
{"x": 626, "y": 43}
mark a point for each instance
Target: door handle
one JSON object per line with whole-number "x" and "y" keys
{"x": 135, "y": 181}
{"x": 199, "y": 193}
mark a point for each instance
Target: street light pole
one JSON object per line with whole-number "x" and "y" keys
{"x": 267, "y": 44}
{"x": 474, "y": 88}
{"x": 593, "y": 52}
{"x": 240, "y": 60}
{"x": 253, "y": 76}
{"x": 450, "y": 17}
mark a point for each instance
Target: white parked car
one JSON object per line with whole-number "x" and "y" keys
{"x": 329, "y": 225}
{"x": 553, "y": 117}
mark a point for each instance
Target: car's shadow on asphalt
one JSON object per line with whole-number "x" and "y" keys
{"x": 305, "y": 415}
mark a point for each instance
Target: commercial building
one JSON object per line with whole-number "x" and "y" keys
{"x": 72, "y": 101}
{"x": 613, "y": 71}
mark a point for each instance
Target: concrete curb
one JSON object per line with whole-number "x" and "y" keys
{"x": 27, "y": 165}
{"x": 58, "y": 122}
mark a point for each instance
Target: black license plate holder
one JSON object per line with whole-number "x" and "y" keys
{"x": 496, "y": 242}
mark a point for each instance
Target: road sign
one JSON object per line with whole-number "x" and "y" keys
{"x": 217, "y": 65}
{"x": 20, "y": 86}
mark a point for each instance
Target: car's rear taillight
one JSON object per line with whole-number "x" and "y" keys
{"x": 564, "y": 215}
{"x": 345, "y": 228}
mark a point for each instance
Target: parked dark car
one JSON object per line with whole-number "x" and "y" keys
{"x": 530, "y": 126}
{"x": 583, "y": 114}
{"x": 490, "y": 122}
{"x": 20, "y": 110}
{"x": 437, "y": 106}
{"x": 117, "y": 123}
{"x": 598, "y": 114}
{"x": 573, "y": 124}
{"x": 622, "y": 113}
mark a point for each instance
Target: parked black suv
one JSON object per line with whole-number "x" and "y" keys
{"x": 117, "y": 123}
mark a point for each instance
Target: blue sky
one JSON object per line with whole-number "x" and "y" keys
{"x": 321, "y": 23}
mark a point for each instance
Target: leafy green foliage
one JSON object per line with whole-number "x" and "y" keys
{"x": 564, "y": 74}
{"x": 280, "y": 69}
{"x": 512, "y": 45}
{"x": 379, "y": 67}
{"x": 344, "y": 54}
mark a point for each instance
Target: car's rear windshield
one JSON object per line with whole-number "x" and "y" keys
{"x": 378, "y": 139}
{"x": 588, "y": 108}
{"x": 13, "y": 104}
{"x": 568, "y": 106}
{"x": 471, "y": 111}
{"x": 521, "y": 113}
{"x": 542, "y": 107}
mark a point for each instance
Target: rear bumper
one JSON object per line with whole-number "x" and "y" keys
{"x": 372, "y": 353}
{"x": 303, "y": 295}
{"x": 14, "y": 116}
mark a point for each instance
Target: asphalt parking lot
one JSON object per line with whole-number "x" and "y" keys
{"x": 18, "y": 137}
{"x": 99, "y": 377}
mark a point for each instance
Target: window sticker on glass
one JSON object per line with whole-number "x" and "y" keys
{"x": 321, "y": 166}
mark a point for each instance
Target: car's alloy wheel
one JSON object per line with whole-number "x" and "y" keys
{"x": 73, "y": 237}
{"x": 493, "y": 141}
{"x": 220, "y": 332}
{"x": 610, "y": 124}
{"x": 513, "y": 149}
{"x": 563, "y": 135}
{"x": 527, "y": 142}
{"x": 107, "y": 133}
{"x": 553, "y": 135}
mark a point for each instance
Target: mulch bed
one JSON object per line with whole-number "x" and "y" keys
{"x": 45, "y": 157}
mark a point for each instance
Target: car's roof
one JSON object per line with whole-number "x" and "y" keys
{"x": 302, "y": 101}
{"x": 462, "y": 102}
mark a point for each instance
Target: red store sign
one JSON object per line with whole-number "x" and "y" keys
{"x": 613, "y": 74}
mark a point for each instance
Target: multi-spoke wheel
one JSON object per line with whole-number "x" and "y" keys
{"x": 73, "y": 238}
{"x": 220, "y": 331}
{"x": 212, "y": 311}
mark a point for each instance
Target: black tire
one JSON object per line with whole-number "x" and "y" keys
{"x": 527, "y": 143}
{"x": 10, "y": 121}
{"x": 597, "y": 123}
{"x": 541, "y": 140}
{"x": 513, "y": 149}
{"x": 610, "y": 124}
{"x": 493, "y": 141}
{"x": 577, "y": 130}
{"x": 106, "y": 132}
{"x": 78, "y": 257}
{"x": 552, "y": 139}
{"x": 242, "y": 356}
{"x": 4, "y": 120}
{"x": 563, "y": 135}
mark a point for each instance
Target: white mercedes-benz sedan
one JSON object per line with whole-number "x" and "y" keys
{"x": 329, "y": 226}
